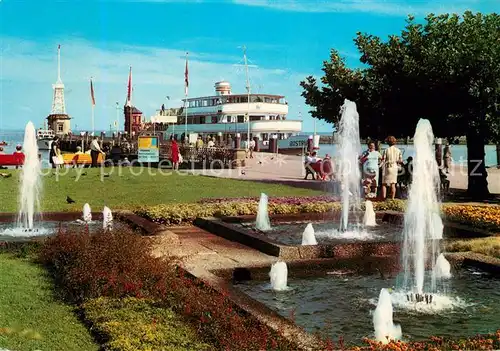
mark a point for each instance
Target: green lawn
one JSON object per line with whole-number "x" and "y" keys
{"x": 30, "y": 317}
{"x": 128, "y": 190}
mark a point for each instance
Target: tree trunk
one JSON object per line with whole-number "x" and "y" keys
{"x": 476, "y": 170}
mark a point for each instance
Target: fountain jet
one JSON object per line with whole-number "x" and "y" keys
{"x": 423, "y": 227}
{"x": 369, "y": 217}
{"x": 87, "y": 213}
{"x": 278, "y": 276}
{"x": 308, "y": 237}
{"x": 385, "y": 329}
{"x": 262, "y": 222}
{"x": 107, "y": 218}
{"x": 349, "y": 149}
{"x": 442, "y": 270}
{"x": 30, "y": 185}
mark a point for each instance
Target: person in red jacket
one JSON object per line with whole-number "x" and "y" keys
{"x": 174, "y": 149}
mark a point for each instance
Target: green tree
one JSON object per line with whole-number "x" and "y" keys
{"x": 446, "y": 70}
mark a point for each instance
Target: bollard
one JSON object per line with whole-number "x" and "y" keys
{"x": 237, "y": 141}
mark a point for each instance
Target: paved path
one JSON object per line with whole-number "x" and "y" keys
{"x": 200, "y": 249}
{"x": 289, "y": 170}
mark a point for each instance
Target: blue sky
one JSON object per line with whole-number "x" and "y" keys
{"x": 286, "y": 41}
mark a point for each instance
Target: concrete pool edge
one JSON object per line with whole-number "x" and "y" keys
{"x": 226, "y": 227}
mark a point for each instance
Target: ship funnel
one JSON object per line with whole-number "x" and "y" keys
{"x": 222, "y": 88}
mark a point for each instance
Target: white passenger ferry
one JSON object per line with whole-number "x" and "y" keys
{"x": 44, "y": 138}
{"x": 226, "y": 114}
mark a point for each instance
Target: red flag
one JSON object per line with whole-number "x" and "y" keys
{"x": 129, "y": 92}
{"x": 92, "y": 92}
{"x": 186, "y": 77}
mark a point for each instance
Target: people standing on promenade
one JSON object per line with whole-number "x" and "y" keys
{"x": 55, "y": 153}
{"x": 370, "y": 160}
{"x": 174, "y": 149}
{"x": 95, "y": 150}
{"x": 447, "y": 158}
{"x": 199, "y": 143}
{"x": 392, "y": 158}
{"x": 251, "y": 148}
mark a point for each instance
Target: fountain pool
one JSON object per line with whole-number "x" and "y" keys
{"x": 49, "y": 227}
{"x": 342, "y": 305}
{"x": 326, "y": 232}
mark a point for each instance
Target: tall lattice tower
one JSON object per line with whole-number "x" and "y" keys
{"x": 59, "y": 120}
{"x": 58, "y": 105}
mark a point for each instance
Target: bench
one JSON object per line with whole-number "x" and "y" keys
{"x": 16, "y": 159}
{"x": 80, "y": 159}
{"x": 322, "y": 168}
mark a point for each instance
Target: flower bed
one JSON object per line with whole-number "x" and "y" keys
{"x": 118, "y": 265}
{"x": 480, "y": 342}
{"x": 185, "y": 213}
{"x": 487, "y": 217}
{"x": 286, "y": 200}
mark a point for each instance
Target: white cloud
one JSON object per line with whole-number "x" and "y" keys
{"x": 385, "y": 7}
{"x": 28, "y": 69}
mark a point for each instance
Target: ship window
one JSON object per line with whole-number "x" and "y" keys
{"x": 202, "y": 120}
{"x": 241, "y": 119}
{"x": 60, "y": 127}
{"x": 244, "y": 99}
{"x": 205, "y": 103}
{"x": 214, "y": 119}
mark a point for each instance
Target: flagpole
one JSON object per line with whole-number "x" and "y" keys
{"x": 92, "y": 103}
{"x": 117, "y": 117}
{"x": 186, "y": 78}
{"x": 248, "y": 96}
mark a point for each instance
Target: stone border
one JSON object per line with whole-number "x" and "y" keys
{"x": 338, "y": 250}
{"x": 386, "y": 266}
{"x": 225, "y": 228}
{"x": 137, "y": 222}
{"x": 263, "y": 314}
{"x": 310, "y": 216}
{"x": 128, "y": 217}
{"x": 451, "y": 229}
{"x": 472, "y": 259}
{"x": 50, "y": 216}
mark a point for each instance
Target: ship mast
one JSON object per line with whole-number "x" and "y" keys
{"x": 248, "y": 94}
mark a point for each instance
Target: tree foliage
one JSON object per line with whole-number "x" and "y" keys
{"x": 445, "y": 69}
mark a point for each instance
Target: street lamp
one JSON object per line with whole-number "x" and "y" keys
{"x": 117, "y": 116}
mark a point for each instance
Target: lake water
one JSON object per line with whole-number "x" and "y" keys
{"x": 458, "y": 152}
{"x": 17, "y": 137}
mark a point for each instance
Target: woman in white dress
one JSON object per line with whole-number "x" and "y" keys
{"x": 391, "y": 158}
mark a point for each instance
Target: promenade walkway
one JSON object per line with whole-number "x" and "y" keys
{"x": 289, "y": 170}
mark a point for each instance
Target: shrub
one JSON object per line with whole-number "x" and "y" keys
{"x": 106, "y": 264}
{"x": 119, "y": 265}
{"x": 486, "y": 217}
{"x": 132, "y": 324}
